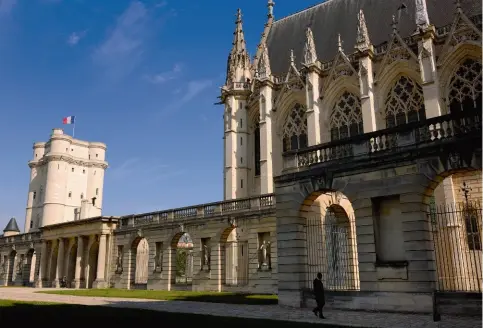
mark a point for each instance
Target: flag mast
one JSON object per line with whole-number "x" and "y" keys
{"x": 73, "y": 127}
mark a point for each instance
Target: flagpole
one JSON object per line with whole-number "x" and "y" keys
{"x": 73, "y": 127}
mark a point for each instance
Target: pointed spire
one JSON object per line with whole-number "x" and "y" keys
{"x": 270, "y": 5}
{"x": 422, "y": 18}
{"x": 239, "y": 57}
{"x": 12, "y": 226}
{"x": 264, "y": 71}
{"x": 339, "y": 43}
{"x": 292, "y": 57}
{"x": 458, "y": 6}
{"x": 310, "y": 54}
{"x": 362, "y": 41}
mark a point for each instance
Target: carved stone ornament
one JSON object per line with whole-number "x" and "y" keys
{"x": 422, "y": 19}
{"x": 310, "y": 54}
{"x": 181, "y": 227}
{"x": 13, "y": 248}
{"x": 31, "y": 245}
{"x": 232, "y": 222}
{"x": 314, "y": 184}
{"x": 140, "y": 233}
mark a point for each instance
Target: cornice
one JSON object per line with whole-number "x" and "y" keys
{"x": 68, "y": 159}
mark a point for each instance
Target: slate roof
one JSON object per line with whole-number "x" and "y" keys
{"x": 12, "y": 226}
{"x": 332, "y": 17}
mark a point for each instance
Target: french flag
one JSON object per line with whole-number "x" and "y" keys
{"x": 68, "y": 120}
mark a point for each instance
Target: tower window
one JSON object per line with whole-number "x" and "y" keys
{"x": 97, "y": 155}
{"x": 82, "y": 196}
{"x": 31, "y": 224}
{"x": 257, "y": 150}
{"x": 72, "y": 169}
{"x": 241, "y": 183}
{"x": 241, "y": 123}
{"x": 241, "y": 160}
{"x": 84, "y": 171}
{"x": 58, "y": 166}
{"x": 97, "y": 191}
{"x": 89, "y": 156}
{"x": 241, "y": 141}
{"x": 35, "y": 194}
{"x": 70, "y": 194}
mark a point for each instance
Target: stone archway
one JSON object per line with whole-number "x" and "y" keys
{"x": 91, "y": 269}
{"x": 235, "y": 258}
{"x": 331, "y": 240}
{"x": 71, "y": 264}
{"x": 12, "y": 270}
{"x": 30, "y": 268}
{"x": 181, "y": 261}
{"x": 139, "y": 263}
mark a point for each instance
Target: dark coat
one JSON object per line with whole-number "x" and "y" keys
{"x": 319, "y": 291}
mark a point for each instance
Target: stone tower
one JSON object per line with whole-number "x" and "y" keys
{"x": 66, "y": 181}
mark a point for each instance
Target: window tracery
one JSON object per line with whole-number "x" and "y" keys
{"x": 464, "y": 92}
{"x": 404, "y": 103}
{"x": 295, "y": 129}
{"x": 346, "y": 118}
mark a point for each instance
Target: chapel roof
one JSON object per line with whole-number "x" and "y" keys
{"x": 333, "y": 17}
{"x": 12, "y": 226}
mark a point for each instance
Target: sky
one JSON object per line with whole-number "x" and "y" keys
{"x": 141, "y": 76}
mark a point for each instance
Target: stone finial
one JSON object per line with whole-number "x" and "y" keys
{"x": 394, "y": 24}
{"x": 422, "y": 18}
{"x": 339, "y": 43}
{"x": 264, "y": 70}
{"x": 270, "y": 5}
{"x": 292, "y": 57}
{"x": 239, "y": 56}
{"x": 362, "y": 41}
{"x": 310, "y": 54}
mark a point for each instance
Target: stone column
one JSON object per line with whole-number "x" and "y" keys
{"x": 266, "y": 162}
{"x": 429, "y": 73}
{"x": 52, "y": 263}
{"x": 60, "y": 263}
{"x": 366, "y": 82}
{"x": 43, "y": 266}
{"x": 313, "y": 110}
{"x": 101, "y": 263}
{"x": 78, "y": 262}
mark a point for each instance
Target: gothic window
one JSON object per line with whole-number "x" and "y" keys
{"x": 346, "y": 118}
{"x": 404, "y": 103}
{"x": 295, "y": 129}
{"x": 464, "y": 92}
{"x": 257, "y": 150}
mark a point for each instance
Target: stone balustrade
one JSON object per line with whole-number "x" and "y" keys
{"x": 202, "y": 211}
{"x": 419, "y": 134}
{"x": 21, "y": 238}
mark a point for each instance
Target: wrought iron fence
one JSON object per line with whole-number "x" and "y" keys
{"x": 457, "y": 243}
{"x": 332, "y": 251}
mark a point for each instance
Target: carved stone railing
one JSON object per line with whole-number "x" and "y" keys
{"x": 21, "y": 238}
{"x": 388, "y": 140}
{"x": 203, "y": 211}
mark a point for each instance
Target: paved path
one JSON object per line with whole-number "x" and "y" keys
{"x": 344, "y": 318}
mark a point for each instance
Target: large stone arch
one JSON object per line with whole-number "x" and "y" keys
{"x": 91, "y": 267}
{"x": 385, "y": 82}
{"x": 181, "y": 261}
{"x": 11, "y": 267}
{"x": 139, "y": 263}
{"x": 234, "y": 256}
{"x": 70, "y": 263}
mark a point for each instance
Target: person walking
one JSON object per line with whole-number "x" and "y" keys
{"x": 319, "y": 296}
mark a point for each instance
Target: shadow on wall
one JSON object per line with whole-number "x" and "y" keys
{"x": 58, "y": 314}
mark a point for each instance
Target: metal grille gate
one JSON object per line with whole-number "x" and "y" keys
{"x": 457, "y": 244}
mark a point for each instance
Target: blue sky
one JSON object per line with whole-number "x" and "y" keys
{"x": 141, "y": 76}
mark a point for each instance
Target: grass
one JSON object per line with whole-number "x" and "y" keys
{"x": 64, "y": 315}
{"x": 212, "y": 297}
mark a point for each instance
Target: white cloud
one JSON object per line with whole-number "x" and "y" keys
{"x": 122, "y": 49}
{"x": 161, "y": 4}
{"x": 75, "y": 37}
{"x": 6, "y": 6}
{"x": 193, "y": 89}
{"x": 141, "y": 170}
{"x": 165, "y": 76}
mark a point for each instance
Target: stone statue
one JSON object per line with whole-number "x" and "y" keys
{"x": 265, "y": 260}
{"x": 119, "y": 261}
{"x": 19, "y": 267}
{"x": 206, "y": 256}
{"x": 159, "y": 261}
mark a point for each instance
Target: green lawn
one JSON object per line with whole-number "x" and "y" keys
{"x": 213, "y": 297}
{"x": 66, "y": 315}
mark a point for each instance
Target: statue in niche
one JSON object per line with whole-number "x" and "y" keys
{"x": 206, "y": 257}
{"x": 19, "y": 266}
{"x": 159, "y": 261}
{"x": 3, "y": 267}
{"x": 265, "y": 255}
{"x": 119, "y": 261}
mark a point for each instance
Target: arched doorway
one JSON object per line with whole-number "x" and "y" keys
{"x": 141, "y": 273}
{"x": 92, "y": 264}
{"x": 29, "y": 277}
{"x": 182, "y": 260}
{"x": 12, "y": 270}
{"x": 455, "y": 213}
{"x": 70, "y": 265}
{"x": 331, "y": 241}
{"x": 235, "y": 257}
